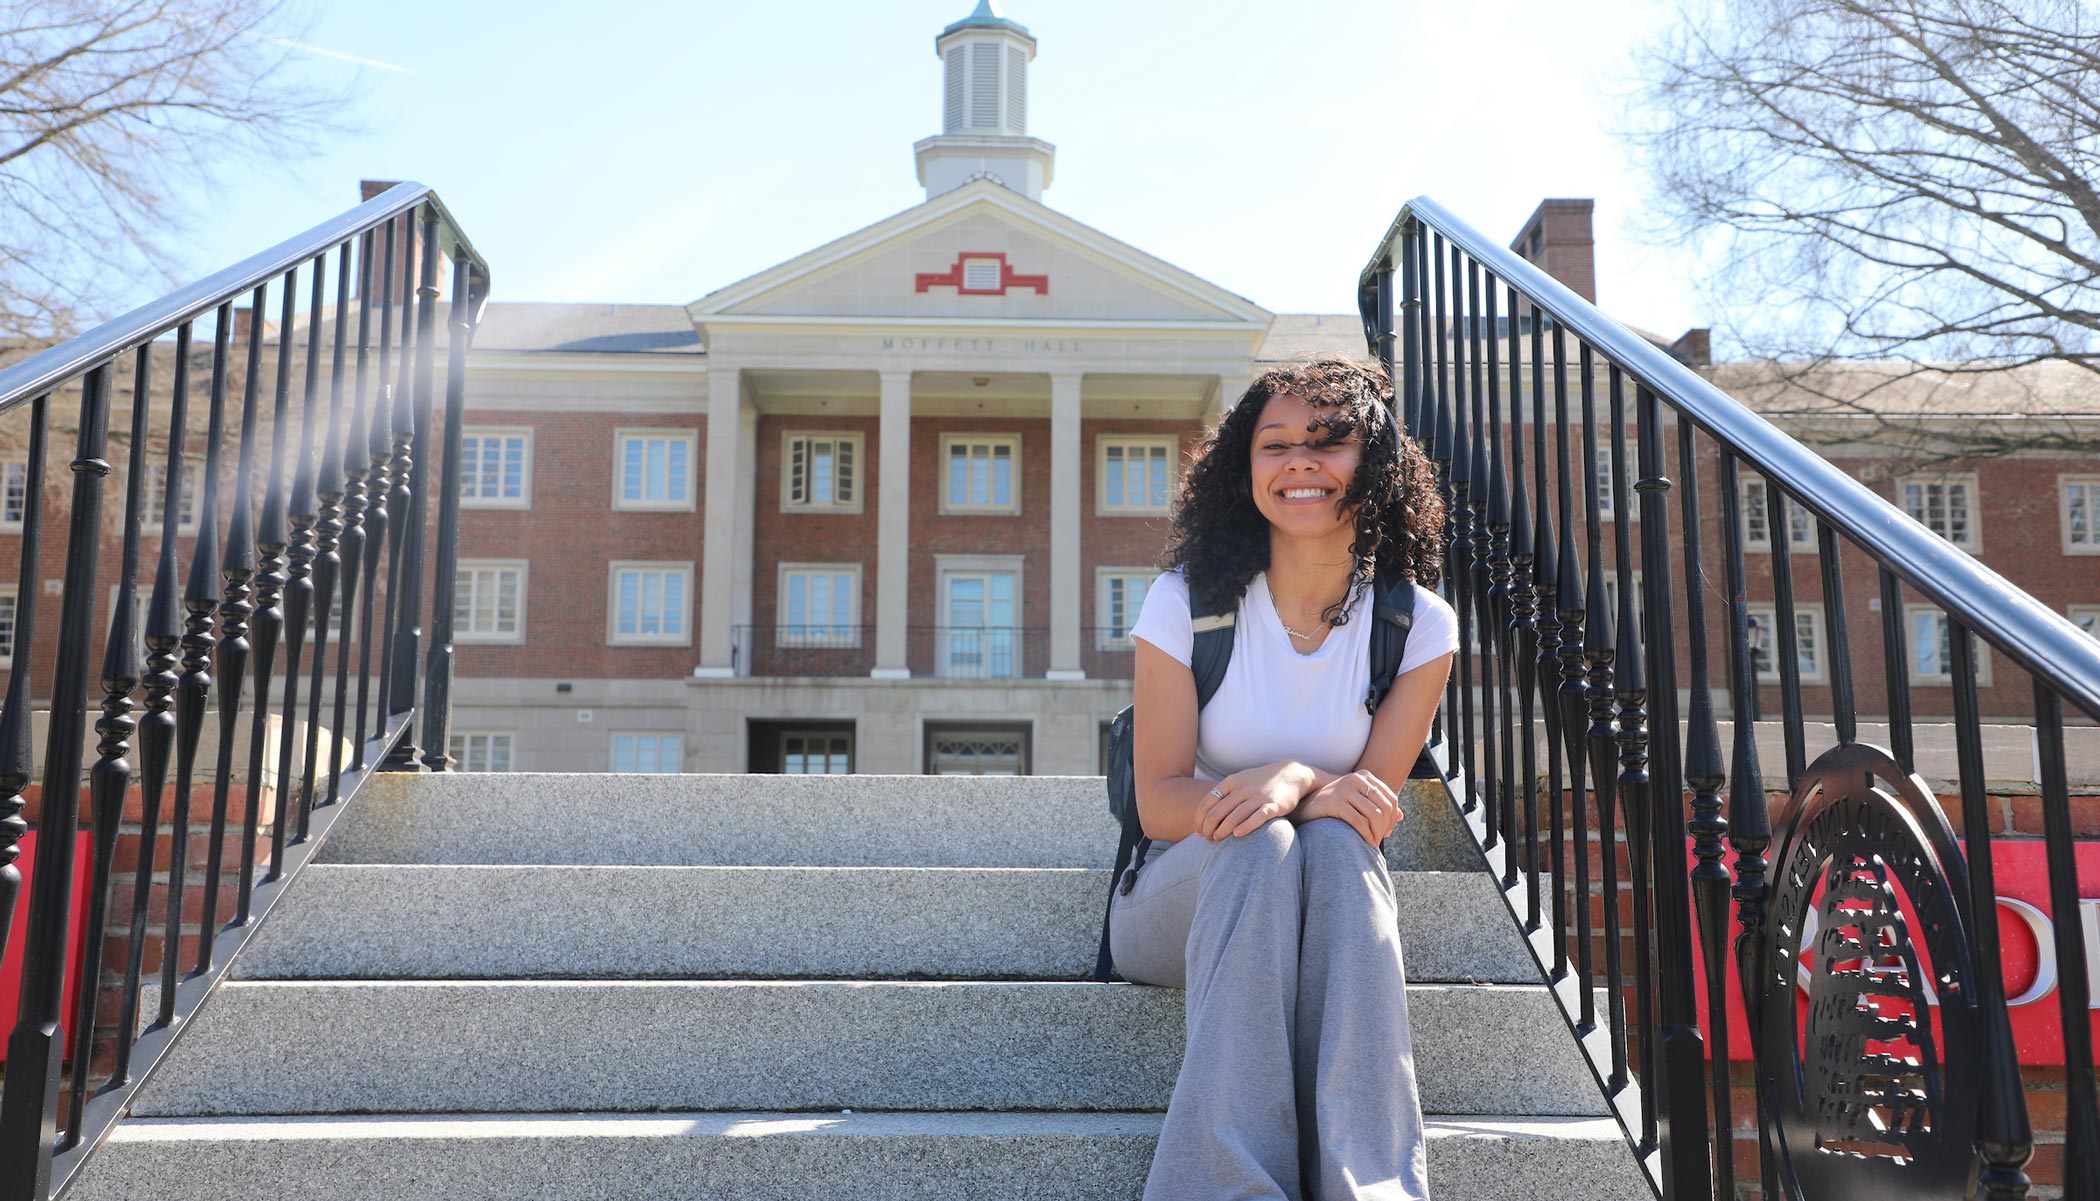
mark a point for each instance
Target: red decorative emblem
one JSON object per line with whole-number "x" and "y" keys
{"x": 981, "y": 274}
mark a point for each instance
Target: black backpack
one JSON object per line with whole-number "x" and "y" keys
{"x": 1393, "y": 616}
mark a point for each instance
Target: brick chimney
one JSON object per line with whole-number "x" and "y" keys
{"x": 1695, "y": 347}
{"x": 1557, "y": 240}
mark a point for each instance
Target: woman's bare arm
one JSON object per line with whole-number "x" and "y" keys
{"x": 1398, "y": 731}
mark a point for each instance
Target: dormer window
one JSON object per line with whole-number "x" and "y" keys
{"x": 980, "y": 275}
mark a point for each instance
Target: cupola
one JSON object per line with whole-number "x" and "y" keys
{"x": 984, "y": 108}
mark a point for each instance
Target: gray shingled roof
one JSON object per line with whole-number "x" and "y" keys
{"x": 588, "y": 328}
{"x": 1302, "y": 333}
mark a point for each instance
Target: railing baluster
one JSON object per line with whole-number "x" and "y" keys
{"x": 1476, "y": 535}
{"x": 408, "y": 638}
{"x": 1783, "y": 645}
{"x": 1576, "y": 637}
{"x": 110, "y": 778}
{"x": 1440, "y": 452}
{"x": 1461, "y": 533}
{"x": 297, "y": 597}
{"x": 1549, "y": 664}
{"x": 2003, "y": 1140}
{"x": 356, "y": 467}
{"x": 1704, "y": 773}
{"x": 1411, "y": 332}
{"x": 1837, "y": 634}
{"x": 437, "y": 675}
{"x": 1599, "y": 654}
{"x": 200, "y": 604}
{"x": 29, "y": 1103}
{"x": 400, "y": 424}
{"x": 237, "y": 568}
{"x": 17, "y": 748}
{"x": 1496, "y": 632}
{"x": 2073, "y": 994}
{"x": 1523, "y": 618}
{"x": 1624, "y": 680}
{"x": 328, "y": 528}
{"x": 378, "y": 490}
{"x": 1749, "y": 825}
{"x": 1896, "y": 662}
{"x": 156, "y": 730}
{"x": 1668, "y": 968}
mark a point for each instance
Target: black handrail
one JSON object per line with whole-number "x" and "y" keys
{"x": 315, "y": 541}
{"x": 1584, "y": 630}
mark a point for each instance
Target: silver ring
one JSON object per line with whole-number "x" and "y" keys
{"x": 1214, "y": 792}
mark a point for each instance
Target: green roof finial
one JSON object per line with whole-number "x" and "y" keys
{"x": 986, "y": 16}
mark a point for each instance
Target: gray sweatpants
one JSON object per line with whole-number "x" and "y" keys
{"x": 1298, "y": 1080}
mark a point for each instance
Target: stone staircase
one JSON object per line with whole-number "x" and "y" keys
{"x": 772, "y": 987}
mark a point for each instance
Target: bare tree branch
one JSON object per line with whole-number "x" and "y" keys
{"x": 110, "y": 111}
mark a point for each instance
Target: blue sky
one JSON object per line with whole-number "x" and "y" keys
{"x": 652, "y": 152}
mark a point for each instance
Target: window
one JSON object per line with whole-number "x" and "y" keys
{"x": 14, "y": 493}
{"x": 979, "y": 474}
{"x": 7, "y": 625}
{"x": 1757, "y": 524}
{"x": 495, "y": 468}
{"x": 488, "y": 601}
{"x": 979, "y": 635}
{"x": 153, "y": 491}
{"x": 479, "y": 751}
{"x": 820, "y": 472}
{"x": 957, "y": 749}
{"x": 1944, "y": 504}
{"x": 651, "y": 603}
{"x": 980, "y": 275}
{"x": 2085, "y": 617}
{"x": 816, "y": 752}
{"x": 1605, "y": 511}
{"x": 1119, "y": 596}
{"x": 819, "y": 605}
{"x": 1134, "y": 476}
{"x": 1932, "y": 649}
{"x": 655, "y": 469}
{"x": 1765, "y": 642}
{"x": 2081, "y": 510}
{"x": 646, "y": 753}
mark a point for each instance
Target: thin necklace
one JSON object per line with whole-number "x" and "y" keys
{"x": 1279, "y": 618}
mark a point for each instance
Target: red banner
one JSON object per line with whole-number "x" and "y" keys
{"x": 2026, "y": 940}
{"x": 18, "y": 935}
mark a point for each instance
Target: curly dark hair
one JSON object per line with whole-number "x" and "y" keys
{"x": 1221, "y": 539}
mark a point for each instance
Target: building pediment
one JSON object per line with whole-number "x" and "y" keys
{"x": 978, "y": 253}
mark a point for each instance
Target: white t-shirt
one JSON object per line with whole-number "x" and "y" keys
{"x": 1275, "y": 703}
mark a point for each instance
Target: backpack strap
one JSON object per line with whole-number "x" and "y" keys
{"x": 1208, "y": 659}
{"x": 1392, "y": 618}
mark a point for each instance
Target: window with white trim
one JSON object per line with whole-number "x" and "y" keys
{"x": 7, "y": 624}
{"x": 980, "y": 275}
{"x": 2085, "y": 617}
{"x": 1757, "y": 524}
{"x": 488, "y": 601}
{"x": 14, "y": 493}
{"x": 651, "y": 604}
{"x": 1119, "y": 596}
{"x": 963, "y": 749}
{"x": 820, "y": 473}
{"x": 655, "y": 754}
{"x": 1931, "y": 648}
{"x": 1944, "y": 504}
{"x": 495, "y": 468}
{"x": 819, "y": 605}
{"x": 816, "y": 752}
{"x": 153, "y": 492}
{"x": 653, "y": 469}
{"x": 979, "y": 473}
{"x": 479, "y": 750}
{"x": 1605, "y": 510}
{"x": 2080, "y": 495}
{"x": 1765, "y": 642}
{"x": 1134, "y": 476}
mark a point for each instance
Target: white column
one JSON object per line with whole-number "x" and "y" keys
{"x": 1230, "y": 389}
{"x": 718, "y": 554}
{"x": 1064, "y": 529}
{"x": 893, "y": 530}
{"x": 745, "y": 542}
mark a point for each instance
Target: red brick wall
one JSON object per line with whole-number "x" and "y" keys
{"x": 779, "y": 537}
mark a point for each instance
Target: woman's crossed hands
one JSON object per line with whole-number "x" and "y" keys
{"x": 1244, "y": 801}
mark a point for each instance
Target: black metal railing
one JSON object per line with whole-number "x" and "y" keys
{"x": 1565, "y": 745}
{"x": 341, "y": 521}
{"x": 939, "y": 652}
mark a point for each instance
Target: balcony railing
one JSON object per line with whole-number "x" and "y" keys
{"x": 937, "y": 652}
{"x": 1900, "y": 1077}
{"x": 341, "y": 519}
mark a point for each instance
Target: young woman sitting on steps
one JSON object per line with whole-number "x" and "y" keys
{"x": 1264, "y": 893}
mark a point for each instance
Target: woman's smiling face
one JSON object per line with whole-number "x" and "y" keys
{"x": 1299, "y": 474}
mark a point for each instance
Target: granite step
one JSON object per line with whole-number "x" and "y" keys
{"x": 772, "y": 1157}
{"x": 281, "y": 1047}
{"x": 803, "y": 821}
{"x": 425, "y": 921}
